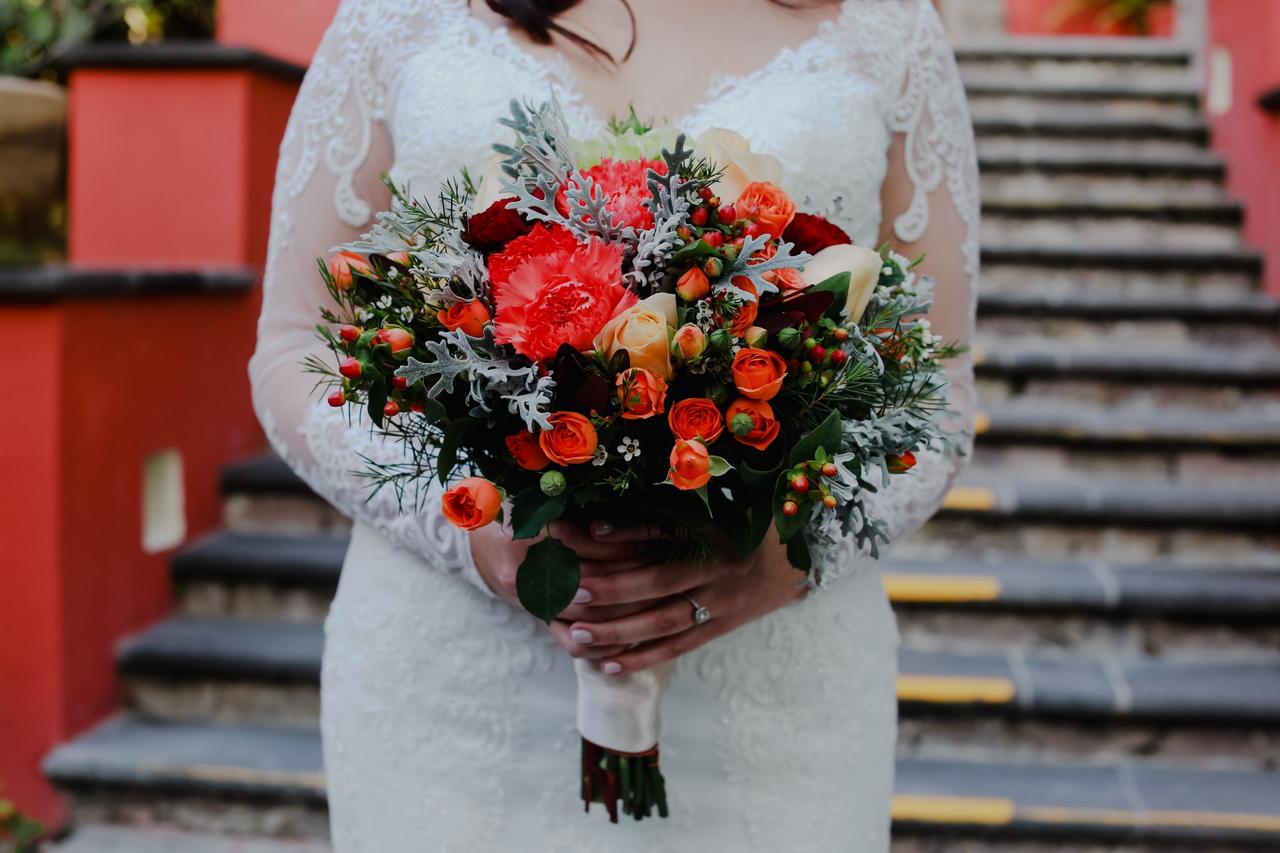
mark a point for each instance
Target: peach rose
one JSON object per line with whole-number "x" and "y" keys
{"x": 863, "y": 266}
{"x": 345, "y": 265}
{"x": 696, "y": 418}
{"x": 746, "y": 316}
{"x": 690, "y": 465}
{"x": 527, "y": 452}
{"x": 732, "y": 153}
{"x": 763, "y": 429}
{"x": 643, "y": 331}
{"x": 471, "y": 317}
{"x": 472, "y": 504}
{"x": 689, "y": 342}
{"x": 766, "y": 205}
{"x": 787, "y": 279}
{"x": 571, "y": 440}
{"x": 758, "y": 373}
{"x": 641, "y": 394}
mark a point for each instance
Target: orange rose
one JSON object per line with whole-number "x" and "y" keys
{"x": 571, "y": 440}
{"x": 641, "y": 394}
{"x": 690, "y": 465}
{"x": 526, "y": 450}
{"x": 472, "y": 504}
{"x": 696, "y": 417}
{"x": 746, "y": 317}
{"x": 787, "y": 280}
{"x": 758, "y": 373}
{"x": 762, "y": 429}
{"x": 344, "y": 265}
{"x": 471, "y": 317}
{"x": 766, "y": 205}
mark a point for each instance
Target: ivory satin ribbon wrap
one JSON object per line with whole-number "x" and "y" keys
{"x": 621, "y": 712}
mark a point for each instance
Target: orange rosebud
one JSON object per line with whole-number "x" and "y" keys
{"x": 752, "y": 422}
{"x": 527, "y": 452}
{"x": 787, "y": 280}
{"x": 690, "y": 465}
{"x": 571, "y": 440}
{"x": 902, "y": 464}
{"x": 401, "y": 258}
{"x": 343, "y": 267}
{"x": 471, "y": 317}
{"x": 641, "y": 394}
{"x": 689, "y": 342}
{"x": 696, "y": 417}
{"x": 472, "y": 504}
{"x": 693, "y": 285}
{"x": 746, "y": 316}
{"x": 767, "y": 205}
{"x": 756, "y": 336}
{"x": 758, "y": 373}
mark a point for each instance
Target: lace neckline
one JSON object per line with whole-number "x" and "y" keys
{"x": 560, "y": 74}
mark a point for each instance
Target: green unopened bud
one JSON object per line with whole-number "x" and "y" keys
{"x": 742, "y": 424}
{"x": 789, "y": 338}
{"x": 720, "y": 340}
{"x": 552, "y": 484}
{"x": 718, "y": 394}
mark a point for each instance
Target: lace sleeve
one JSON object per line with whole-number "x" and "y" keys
{"x": 931, "y": 207}
{"x": 327, "y": 185}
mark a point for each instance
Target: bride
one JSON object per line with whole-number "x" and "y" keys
{"x": 448, "y": 712}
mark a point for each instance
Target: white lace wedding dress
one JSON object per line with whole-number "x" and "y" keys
{"x": 448, "y": 715}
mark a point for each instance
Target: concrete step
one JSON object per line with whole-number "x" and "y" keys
{"x": 1122, "y": 101}
{"x": 125, "y": 839}
{"x": 1216, "y": 212}
{"x": 165, "y": 766}
{"x": 1124, "y": 257}
{"x": 981, "y": 83}
{"x": 1018, "y": 179}
{"x": 1118, "y": 160}
{"x": 1060, "y": 59}
{"x": 1103, "y": 233}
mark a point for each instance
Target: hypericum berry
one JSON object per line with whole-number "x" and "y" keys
{"x": 391, "y": 409}
{"x": 713, "y": 267}
{"x": 728, "y": 214}
{"x": 417, "y": 407}
{"x": 810, "y": 343}
{"x": 350, "y": 334}
{"x": 337, "y": 399}
{"x": 839, "y": 357}
{"x": 829, "y": 502}
{"x": 351, "y": 368}
{"x": 684, "y": 233}
{"x": 790, "y": 508}
{"x": 800, "y": 484}
{"x": 818, "y": 354}
{"x": 714, "y": 239}
{"x": 841, "y": 333}
{"x": 705, "y": 193}
{"x": 399, "y": 383}
{"x": 806, "y": 367}
{"x": 830, "y": 470}
{"x": 398, "y": 339}
{"x": 699, "y": 216}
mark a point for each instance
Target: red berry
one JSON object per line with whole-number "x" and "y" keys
{"x": 829, "y": 501}
{"x": 350, "y": 334}
{"x": 830, "y": 470}
{"x": 351, "y": 368}
{"x": 699, "y": 216}
{"x": 705, "y": 193}
{"x": 714, "y": 239}
{"x": 417, "y": 407}
{"x": 818, "y": 354}
{"x": 391, "y": 409}
{"x": 841, "y": 333}
{"x": 337, "y": 399}
{"x": 800, "y": 484}
{"x": 398, "y": 339}
{"x": 728, "y": 214}
{"x": 790, "y": 508}
{"x": 902, "y": 464}
{"x": 839, "y": 357}
{"x": 399, "y": 383}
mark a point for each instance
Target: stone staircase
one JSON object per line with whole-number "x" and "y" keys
{"x": 1091, "y": 656}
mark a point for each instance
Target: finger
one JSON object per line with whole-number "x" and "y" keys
{"x": 593, "y": 613}
{"x": 601, "y": 568}
{"x": 662, "y": 651}
{"x": 671, "y": 616}
{"x": 561, "y": 634}
{"x": 603, "y": 531}
{"x": 649, "y": 583}
{"x": 587, "y": 548}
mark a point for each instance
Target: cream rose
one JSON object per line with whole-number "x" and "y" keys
{"x": 643, "y": 331}
{"x": 490, "y": 189}
{"x": 863, "y": 266}
{"x": 741, "y": 165}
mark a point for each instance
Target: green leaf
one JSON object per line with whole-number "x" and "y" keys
{"x": 693, "y": 251}
{"x": 448, "y": 457}
{"x": 378, "y": 398}
{"x": 838, "y": 285}
{"x": 761, "y": 518}
{"x": 532, "y": 511}
{"x": 760, "y": 480}
{"x": 827, "y": 437}
{"x": 702, "y": 493}
{"x": 547, "y": 580}
{"x": 720, "y": 466}
{"x": 433, "y": 410}
{"x": 798, "y": 554}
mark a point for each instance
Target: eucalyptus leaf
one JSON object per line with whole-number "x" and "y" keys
{"x": 547, "y": 580}
{"x": 448, "y": 457}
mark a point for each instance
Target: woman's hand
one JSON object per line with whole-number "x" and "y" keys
{"x": 661, "y": 626}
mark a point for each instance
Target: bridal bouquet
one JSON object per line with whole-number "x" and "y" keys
{"x": 639, "y": 330}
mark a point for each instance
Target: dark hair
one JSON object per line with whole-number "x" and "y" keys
{"x": 538, "y": 19}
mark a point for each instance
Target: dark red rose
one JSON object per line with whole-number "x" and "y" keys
{"x": 495, "y": 227}
{"x": 812, "y": 234}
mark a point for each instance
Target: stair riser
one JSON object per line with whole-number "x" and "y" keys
{"x": 284, "y": 514}
{"x": 1257, "y": 331}
{"x": 1128, "y": 108}
{"x": 1122, "y": 391}
{"x": 1058, "y": 72}
{"x": 225, "y": 701}
{"x": 911, "y": 841}
{"x": 1052, "y": 142}
{"x": 1069, "y": 187}
{"x": 1190, "y": 466}
{"x": 1122, "y": 232}
{"x": 262, "y": 602}
{"x": 1126, "y": 283}
{"x": 219, "y": 816}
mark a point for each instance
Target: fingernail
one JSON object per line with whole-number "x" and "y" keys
{"x": 581, "y": 636}
{"x": 602, "y": 528}
{"x": 582, "y": 596}
{"x": 612, "y": 668}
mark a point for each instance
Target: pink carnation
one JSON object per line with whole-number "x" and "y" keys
{"x": 561, "y": 298}
{"x": 625, "y": 183}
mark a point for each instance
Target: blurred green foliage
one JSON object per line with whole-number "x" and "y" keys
{"x": 18, "y": 833}
{"x": 1135, "y": 14}
{"x": 33, "y": 33}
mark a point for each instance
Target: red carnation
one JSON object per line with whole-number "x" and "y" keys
{"x": 626, "y": 184}
{"x": 542, "y": 241}
{"x": 495, "y": 227}
{"x": 812, "y": 234}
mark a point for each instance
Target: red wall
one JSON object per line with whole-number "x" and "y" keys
{"x": 1249, "y": 138}
{"x": 288, "y": 29}
{"x": 1036, "y": 17}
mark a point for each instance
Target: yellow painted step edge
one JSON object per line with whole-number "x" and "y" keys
{"x": 938, "y": 589}
{"x": 998, "y": 811}
{"x": 944, "y": 689}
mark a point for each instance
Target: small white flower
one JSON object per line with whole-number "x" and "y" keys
{"x": 362, "y": 314}
{"x": 600, "y": 457}
{"x": 384, "y": 303}
{"x": 737, "y": 348}
{"x": 630, "y": 448}
{"x": 406, "y": 314}
{"x": 888, "y": 270}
